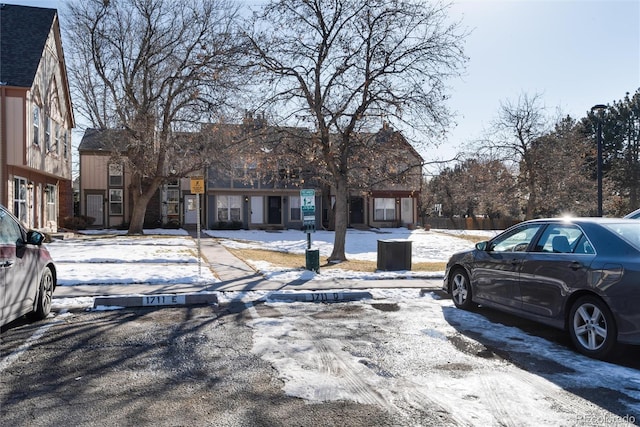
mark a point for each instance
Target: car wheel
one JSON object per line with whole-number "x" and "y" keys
{"x": 592, "y": 327}
{"x": 461, "y": 289}
{"x": 45, "y": 294}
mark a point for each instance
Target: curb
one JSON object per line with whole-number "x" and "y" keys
{"x": 155, "y": 300}
{"x": 319, "y": 296}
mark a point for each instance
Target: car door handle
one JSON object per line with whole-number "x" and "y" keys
{"x": 575, "y": 265}
{"x": 4, "y": 263}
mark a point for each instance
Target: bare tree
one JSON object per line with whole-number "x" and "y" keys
{"x": 343, "y": 67}
{"x": 518, "y": 125}
{"x": 155, "y": 69}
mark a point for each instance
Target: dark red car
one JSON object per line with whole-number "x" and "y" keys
{"x": 27, "y": 273}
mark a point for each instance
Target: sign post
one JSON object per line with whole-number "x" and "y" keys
{"x": 197, "y": 188}
{"x": 308, "y": 208}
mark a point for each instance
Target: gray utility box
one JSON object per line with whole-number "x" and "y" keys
{"x": 394, "y": 255}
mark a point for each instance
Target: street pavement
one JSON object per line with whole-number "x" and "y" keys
{"x": 234, "y": 276}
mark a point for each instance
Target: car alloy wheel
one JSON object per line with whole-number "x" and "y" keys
{"x": 461, "y": 289}
{"x": 45, "y": 294}
{"x": 592, "y": 328}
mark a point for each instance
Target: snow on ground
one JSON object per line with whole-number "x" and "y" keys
{"x": 493, "y": 394}
{"x": 426, "y": 246}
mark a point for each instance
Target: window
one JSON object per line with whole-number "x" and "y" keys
{"x": 517, "y": 240}
{"x": 10, "y": 232}
{"x": 229, "y": 208}
{"x": 384, "y": 209}
{"x": 115, "y": 202}
{"x": 36, "y": 125}
{"x": 50, "y": 199}
{"x": 115, "y": 175}
{"x": 20, "y": 199}
{"x": 65, "y": 139}
{"x": 47, "y": 132}
{"x": 173, "y": 198}
{"x": 294, "y": 206}
{"x": 563, "y": 238}
{"x": 56, "y": 142}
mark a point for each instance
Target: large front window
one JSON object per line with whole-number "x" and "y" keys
{"x": 384, "y": 209}
{"x": 229, "y": 208}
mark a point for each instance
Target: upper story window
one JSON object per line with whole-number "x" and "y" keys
{"x": 56, "y": 141}
{"x": 115, "y": 175}
{"x": 47, "y": 132}
{"x": 65, "y": 142}
{"x": 36, "y": 125}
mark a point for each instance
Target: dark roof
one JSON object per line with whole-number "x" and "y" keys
{"x": 102, "y": 140}
{"x": 23, "y": 34}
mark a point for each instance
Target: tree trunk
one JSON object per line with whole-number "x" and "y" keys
{"x": 341, "y": 220}
{"x": 141, "y": 196}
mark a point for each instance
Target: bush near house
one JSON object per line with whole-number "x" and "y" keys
{"x": 228, "y": 225}
{"x": 77, "y": 222}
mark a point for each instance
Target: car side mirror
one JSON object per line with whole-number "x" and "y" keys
{"x": 482, "y": 246}
{"x": 35, "y": 237}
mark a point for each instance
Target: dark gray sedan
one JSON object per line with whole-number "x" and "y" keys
{"x": 577, "y": 274}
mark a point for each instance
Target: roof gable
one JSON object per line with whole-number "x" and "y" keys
{"x": 23, "y": 33}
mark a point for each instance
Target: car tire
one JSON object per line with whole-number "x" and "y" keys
{"x": 592, "y": 327}
{"x": 460, "y": 288}
{"x": 42, "y": 307}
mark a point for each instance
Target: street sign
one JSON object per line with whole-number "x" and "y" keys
{"x": 308, "y": 208}
{"x": 197, "y": 185}
{"x": 308, "y": 201}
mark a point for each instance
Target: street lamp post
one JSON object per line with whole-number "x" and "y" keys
{"x": 599, "y": 108}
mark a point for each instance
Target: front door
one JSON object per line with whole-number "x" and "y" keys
{"x": 356, "y": 210}
{"x": 257, "y": 210}
{"x": 190, "y": 209}
{"x": 497, "y": 270}
{"x": 274, "y": 213}
{"x": 95, "y": 206}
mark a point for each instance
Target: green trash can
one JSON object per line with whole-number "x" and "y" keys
{"x": 313, "y": 259}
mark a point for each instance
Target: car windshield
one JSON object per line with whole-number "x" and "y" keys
{"x": 628, "y": 231}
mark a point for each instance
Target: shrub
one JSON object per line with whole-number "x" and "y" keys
{"x": 77, "y": 222}
{"x": 227, "y": 225}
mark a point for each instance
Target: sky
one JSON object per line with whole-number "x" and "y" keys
{"x": 502, "y": 392}
{"x": 574, "y": 53}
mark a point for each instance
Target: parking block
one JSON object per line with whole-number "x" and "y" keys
{"x": 155, "y": 300}
{"x": 319, "y": 296}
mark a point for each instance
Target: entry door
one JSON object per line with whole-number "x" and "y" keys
{"x": 274, "y": 210}
{"x": 95, "y": 207}
{"x": 257, "y": 210}
{"x": 406, "y": 213}
{"x": 190, "y": 209}
{"x": 356, "y": 210}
